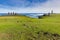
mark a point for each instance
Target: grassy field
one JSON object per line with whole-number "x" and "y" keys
{"x": 25, "y": 28}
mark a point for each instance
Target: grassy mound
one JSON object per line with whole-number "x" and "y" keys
{"x": 25, "y": 28}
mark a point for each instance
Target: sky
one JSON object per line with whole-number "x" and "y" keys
{"x": 29, "y": 6}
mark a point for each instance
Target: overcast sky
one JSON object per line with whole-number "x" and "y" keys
{"x": 30, "y": 6}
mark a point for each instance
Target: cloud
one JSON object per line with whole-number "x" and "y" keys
{"x": 32, "y": 6}
{"x": 21, "y": 3}
{"x": 53, "y": 5}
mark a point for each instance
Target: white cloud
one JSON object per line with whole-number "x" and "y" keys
{"x": 53, "y": 5}
{"x": 38, "y": 8}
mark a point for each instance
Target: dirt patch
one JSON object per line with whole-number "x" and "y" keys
{"x": 40, "y": 35}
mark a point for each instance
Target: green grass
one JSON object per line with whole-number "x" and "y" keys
{"x": 25, "y": 28}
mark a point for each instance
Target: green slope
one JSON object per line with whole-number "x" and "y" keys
{"x": 25, "y": 28}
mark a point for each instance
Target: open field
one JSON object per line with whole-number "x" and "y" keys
{"x": 25, "y": 28}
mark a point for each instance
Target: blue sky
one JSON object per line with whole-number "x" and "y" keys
{"x": 34, "y": 6}
{"x": 21, "y": 3}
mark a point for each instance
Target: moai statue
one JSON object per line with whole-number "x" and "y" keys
{"x": 13, "y": 13}
{"x": 51, "y": 11}
{"x": 48, "y": 14}
{"x": 8, "y": 13}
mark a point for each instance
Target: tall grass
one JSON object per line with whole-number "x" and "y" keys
{"x": 25, "y": 28}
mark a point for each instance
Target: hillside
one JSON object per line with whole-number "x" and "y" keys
{"x": 25, "y": 28}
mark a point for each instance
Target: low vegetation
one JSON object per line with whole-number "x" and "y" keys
{"x": 25, "y": 28}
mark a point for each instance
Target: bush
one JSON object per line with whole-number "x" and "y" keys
{"x": 39, "y": 17}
